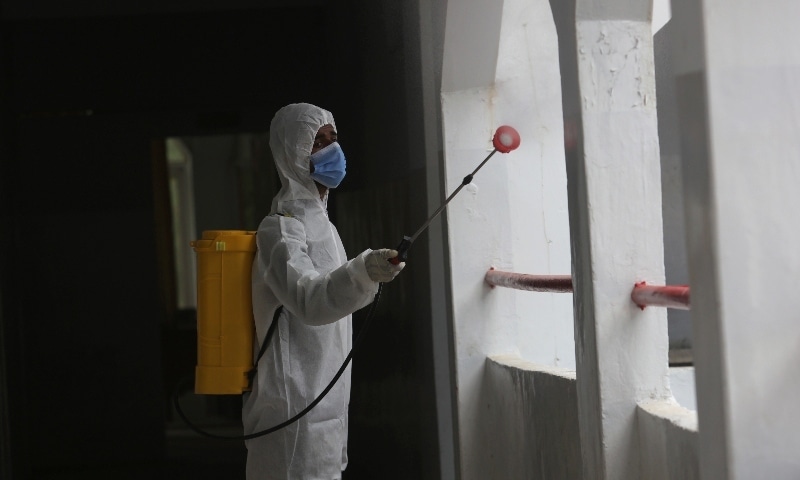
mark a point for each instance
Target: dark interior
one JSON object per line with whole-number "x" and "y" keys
{"x": 92, "y": 343}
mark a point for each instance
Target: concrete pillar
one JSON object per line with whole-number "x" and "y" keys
{"x": 608, "y": 82}
{"x": 737, "y": 70}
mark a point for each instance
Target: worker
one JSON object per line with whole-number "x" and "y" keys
{"x": 301, "y": 266}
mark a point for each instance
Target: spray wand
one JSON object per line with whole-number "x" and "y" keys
{"x": 505, "y": 139}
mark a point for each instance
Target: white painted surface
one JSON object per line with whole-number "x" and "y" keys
{"x": 431, "y": 18}
{"x": 621, "y": 350}
{"x": 688, "y": 45}
{"x": 676, "y": 268}
{"x": 662, "y": 12}
{"x": 514, "y": 215}
{"x": 681, "y": 383}
{"x": 668, "y": 433}
{"x": 472, "y": 35}
{"x": 742, "y": 167}
{"x": 536, "y": 408}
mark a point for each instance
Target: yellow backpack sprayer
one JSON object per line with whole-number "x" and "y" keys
{"x": 225, "y": 325}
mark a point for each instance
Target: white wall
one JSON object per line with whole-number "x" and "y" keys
{"x": 615, "y": 217}
{"x": 736, "y": 72}
{"x": 536, "y": 407}
{"x": 675, "y": 262}
{"x": 514, "y": 215}
{"x": 668, "y": 434}
{"x": 739, "y": 154}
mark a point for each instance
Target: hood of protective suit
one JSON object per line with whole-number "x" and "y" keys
{"x": 291, "y": 138}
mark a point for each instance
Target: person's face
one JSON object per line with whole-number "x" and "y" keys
{"x": 325, "y": 136}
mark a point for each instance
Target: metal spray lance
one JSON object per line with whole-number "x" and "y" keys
{"x": 505, "y": 139}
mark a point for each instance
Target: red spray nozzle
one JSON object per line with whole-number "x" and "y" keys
{"x": 506, "y": 138}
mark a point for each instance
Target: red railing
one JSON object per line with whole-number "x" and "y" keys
{"x": 670, "y": 296}
{"x": 643, "y": 295}
{"x": 533, "y": 283}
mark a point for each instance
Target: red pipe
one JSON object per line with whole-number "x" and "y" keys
{"x": 533, "y": 283}
{"x": 643, "y": 295}
{"x": 670, "y": 296}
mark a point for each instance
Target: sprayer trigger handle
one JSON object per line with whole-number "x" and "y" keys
{"x": 402, "y": 251}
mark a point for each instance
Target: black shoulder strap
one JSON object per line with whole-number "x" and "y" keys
{"x": 270, "y": 332}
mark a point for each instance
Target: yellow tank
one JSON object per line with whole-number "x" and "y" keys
{"x": 225, "y": 325}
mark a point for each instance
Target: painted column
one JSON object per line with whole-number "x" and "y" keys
{"x": 737, "y": 70}
{"x": 608, "y": 78}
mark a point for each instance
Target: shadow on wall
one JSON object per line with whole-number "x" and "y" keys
{"x": 524, "y": 421}
{"x": 675, "y": 260}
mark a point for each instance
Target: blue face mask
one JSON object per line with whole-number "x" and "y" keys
{"x": 329, "y": 165}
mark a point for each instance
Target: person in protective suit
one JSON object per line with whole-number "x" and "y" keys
{"x": 301, "y": 265}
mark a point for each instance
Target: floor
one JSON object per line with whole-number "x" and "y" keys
{"x": 188, "y": 456}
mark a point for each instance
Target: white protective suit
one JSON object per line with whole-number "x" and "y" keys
{"x": 301, "y": 264}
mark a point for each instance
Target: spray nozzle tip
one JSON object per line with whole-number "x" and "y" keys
{"x": 506, "y": 139}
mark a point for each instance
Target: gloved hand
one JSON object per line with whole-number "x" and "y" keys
{"x": 378, "y": 266}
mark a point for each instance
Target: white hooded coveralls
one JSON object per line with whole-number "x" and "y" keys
{"x": 301, "y": 264}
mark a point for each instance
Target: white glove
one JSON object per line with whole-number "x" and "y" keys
{"x": 378, "y": 266}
